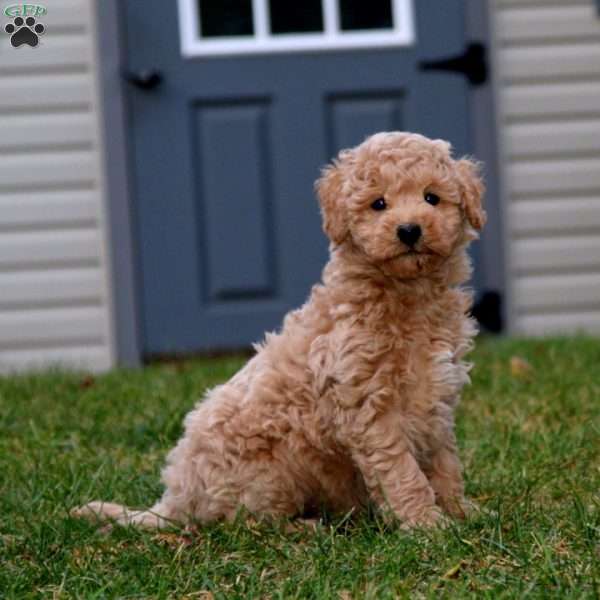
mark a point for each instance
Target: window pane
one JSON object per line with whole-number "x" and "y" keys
{"x": 296, "y": 16}
{"x": 362, "y": 14}
{"x": 226, "y": 17}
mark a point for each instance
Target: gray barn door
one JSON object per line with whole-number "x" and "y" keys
{"x": 226, "y": 147}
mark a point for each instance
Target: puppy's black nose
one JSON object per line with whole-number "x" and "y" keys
{"x": 409, "y": 234}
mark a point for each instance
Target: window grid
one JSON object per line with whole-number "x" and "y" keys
{"x": 263, "y": 42}
{"x": 261, "y": 19}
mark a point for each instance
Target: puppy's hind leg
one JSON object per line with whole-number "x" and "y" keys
{"x": 109, "y": 512}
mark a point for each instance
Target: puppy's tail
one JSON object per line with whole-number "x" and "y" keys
{"x": 108, "y": 512}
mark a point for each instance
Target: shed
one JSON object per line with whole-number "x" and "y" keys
{"x": 122, "y": 100}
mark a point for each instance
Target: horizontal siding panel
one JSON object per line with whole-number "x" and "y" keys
{"x": 548, "y": 23}
{"x": 49, "y": 208}
{"x": 529, "y": 64}
{"x": 557, "y": 291}
{"x": 500, "y": 4}
{"x": 50, "y": 168}
{"x": 555, "y": 253}
{"x": 85, "y": 358}
{"x": 51, "y": 286}
{"x": 45, "y": 92}
{"x": 560, "y": 215}
{"x": 62, "y": 51}
{"x": 524, "y": 139}
{"x": 67, "y": 13}
{"x": 49, "y": 247}
{"x": 521, "y": 101}
{"x": 553, "y": 176}
{"x": 52, "y": 326}
{"x": 35, "y": 130}
{"x": 546, "y": 324}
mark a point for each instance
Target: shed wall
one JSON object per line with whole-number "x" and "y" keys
{"x": 54, "y": 294}
{"x": 548, "y": 61}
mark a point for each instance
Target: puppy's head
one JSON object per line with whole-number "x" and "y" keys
{"x": 402, "y": 201}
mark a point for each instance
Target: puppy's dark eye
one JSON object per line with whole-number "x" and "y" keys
{"x": 378, "y": 204}
{"x": 432, "y": 199}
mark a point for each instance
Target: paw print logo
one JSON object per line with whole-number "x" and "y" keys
{"x": 24, "y": 31}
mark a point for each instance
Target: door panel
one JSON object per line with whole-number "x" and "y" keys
{"x": 226, "y": 151}
{"x": 353, "y": 117}
{"x": 233, "y": 165}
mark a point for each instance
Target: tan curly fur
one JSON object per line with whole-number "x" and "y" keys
{"x": 352, "y": 401}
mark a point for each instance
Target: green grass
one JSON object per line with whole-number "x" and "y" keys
{"x": 530, "y": 443}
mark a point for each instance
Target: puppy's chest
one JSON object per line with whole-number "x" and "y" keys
{"x": 413, "y": 365}
{"x": 430, "y": 377}
{"x": 429, "y": 373}
{"x": 427, "y": 364}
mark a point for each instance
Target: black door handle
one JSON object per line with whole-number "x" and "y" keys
{"x": 147, "y": 79}
{"x": 472, "y": 63}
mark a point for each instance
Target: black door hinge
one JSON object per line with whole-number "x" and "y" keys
{"x": 472, "y": 63}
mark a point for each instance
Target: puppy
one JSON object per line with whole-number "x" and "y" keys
{"x": 351, "y": 403}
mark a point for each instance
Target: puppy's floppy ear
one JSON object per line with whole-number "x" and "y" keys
{"x": 329, "y": 188}
{"x": 471, "y": 191}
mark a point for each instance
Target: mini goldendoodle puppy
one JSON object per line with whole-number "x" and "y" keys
{"x": 352, "y": 401}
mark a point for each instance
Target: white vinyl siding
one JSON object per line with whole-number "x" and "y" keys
{"x": 54, "y": 300}
{"x": 548, "y": 60}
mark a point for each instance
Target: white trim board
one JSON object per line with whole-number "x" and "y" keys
{"x": 263, "y": 42}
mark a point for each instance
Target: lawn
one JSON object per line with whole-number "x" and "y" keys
{"x": 529, "y": 432}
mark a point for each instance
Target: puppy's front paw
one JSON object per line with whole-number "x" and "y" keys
{"x": 469, "y": 507}
{"x": 430, "y": 517}
{"x": 302, "y": 526}
{"x": 460, "y": 508}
